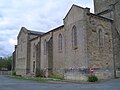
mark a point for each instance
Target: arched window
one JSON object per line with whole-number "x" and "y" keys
{"x": 34, "y": 49}
{"x": 33, "y": 66}
{"x": 74, "y": 37}
{"x": 60, "y": 42}
{"x": 45, "y": 47}
{"x": 100, "y": 37}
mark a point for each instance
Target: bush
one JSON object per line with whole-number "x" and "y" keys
{"x": 42, "y": 73}
{"x": 92, "y": 78}
{"x": 37, "y": 73}
{"x": 13, "y": 73}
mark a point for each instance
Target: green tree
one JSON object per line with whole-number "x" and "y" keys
{"x": 6, "y": 63}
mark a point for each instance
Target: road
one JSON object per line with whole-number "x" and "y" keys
{"x": 7, "y": 83}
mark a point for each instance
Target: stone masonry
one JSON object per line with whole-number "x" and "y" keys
{"x": 85, "y": 41}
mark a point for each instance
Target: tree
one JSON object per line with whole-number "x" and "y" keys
{"x": 9, "y": 63}
{"x": 6, "y": 63}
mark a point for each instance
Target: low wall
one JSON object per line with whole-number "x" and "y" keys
{"x": 82, "y": 74}
{"x": 104, "y": 74}
{"x": 5, "y": 72}
{"x": 117, "y": 73}
{"x": 76, "y": 74}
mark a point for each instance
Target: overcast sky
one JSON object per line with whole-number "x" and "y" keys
{"x": 38, "y": 15}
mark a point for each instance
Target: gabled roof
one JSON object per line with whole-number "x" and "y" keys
{"x": 104, "y": 12}
{"x": 71, "y": 9}
{"x": 34, "y": 38}
{"x": 91, "y": 14}
{"x": 58, "y": 28}
{"x": 35, "y": 32}
{"x": 53, "y": 30}
{"x": 23, "y": 29}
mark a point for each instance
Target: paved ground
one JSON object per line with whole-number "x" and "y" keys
{"x": 7, "y": 83}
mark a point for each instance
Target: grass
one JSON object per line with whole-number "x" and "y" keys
{"x": 38, "y": 79}
{"x": 57, "y": 78}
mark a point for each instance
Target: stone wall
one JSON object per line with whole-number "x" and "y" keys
{"x": 38, "y": 58}
{"x": 100, "y": 46}
{"x": 44, "y": 53}
{"x": 116, "y": 44}
{"x": 23, "y": 52}
{"x": 101, "y": 5}
{"x": 50, "y": 56}
{"x": 58, "y": 55}
{"x": 21, "y": 62}
{"x": 75, "y": 57}
{"x": 33, "y": 53}
{"x": 76, "y": 74}
{"x": 29, "y": 38}
{"x": 117, "y": 16}
{"x": 14, "y": 59}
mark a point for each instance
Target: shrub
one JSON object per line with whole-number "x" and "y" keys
{"x": 92, "y": 78}
{"x": 13, "y": 73}
{"x": 37, "y": 73}
{"x": 42, "y": 73}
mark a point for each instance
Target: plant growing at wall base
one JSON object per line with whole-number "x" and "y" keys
{"x": 13, "y": 73}
{"x": 92, "y": 78}
{"x": 37, "y": 73}
{"x": 42, "y": 73}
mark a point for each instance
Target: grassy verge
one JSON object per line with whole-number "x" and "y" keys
{"x": 57, "y": 78}
{"x": 38, "y": 79}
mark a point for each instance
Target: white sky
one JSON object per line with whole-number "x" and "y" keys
{"x": 38, "y": 15}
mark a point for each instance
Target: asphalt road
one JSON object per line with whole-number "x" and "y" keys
{"x": 7, "y": 83}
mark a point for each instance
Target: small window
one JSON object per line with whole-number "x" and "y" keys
{"x": 45, "y": 47}
{"x": 34, "y": 49}
{"x": 60, "y": 42}
{"x": 100, "y": 38}
{"x": 33, "y": 66}
{"x": 74, "y": 37}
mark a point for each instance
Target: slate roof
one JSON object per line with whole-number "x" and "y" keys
{"x": 35, "y": 32}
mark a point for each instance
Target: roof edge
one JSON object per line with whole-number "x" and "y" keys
{"x": 55, "y": 29}
{"x": 71, "y": 8}
{"x": 100, "y": 16}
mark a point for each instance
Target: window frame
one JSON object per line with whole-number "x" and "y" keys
{"x": 60, "y": 42}
{"x": 101, "y": 36}
{"x": 74, "y": 37}
{"x": 34, "y": 50}
{"x": 45, "y": 47}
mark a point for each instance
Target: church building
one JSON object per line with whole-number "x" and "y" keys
{"x": 84, "y": 41}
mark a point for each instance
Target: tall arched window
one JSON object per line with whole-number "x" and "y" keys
{"x": 74, "y": 37}
{"x": 45, "y": 47}
{"x": 34, "y": 50}
{"x": 100, "y": 37}
{"x": 60, "y": 42}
